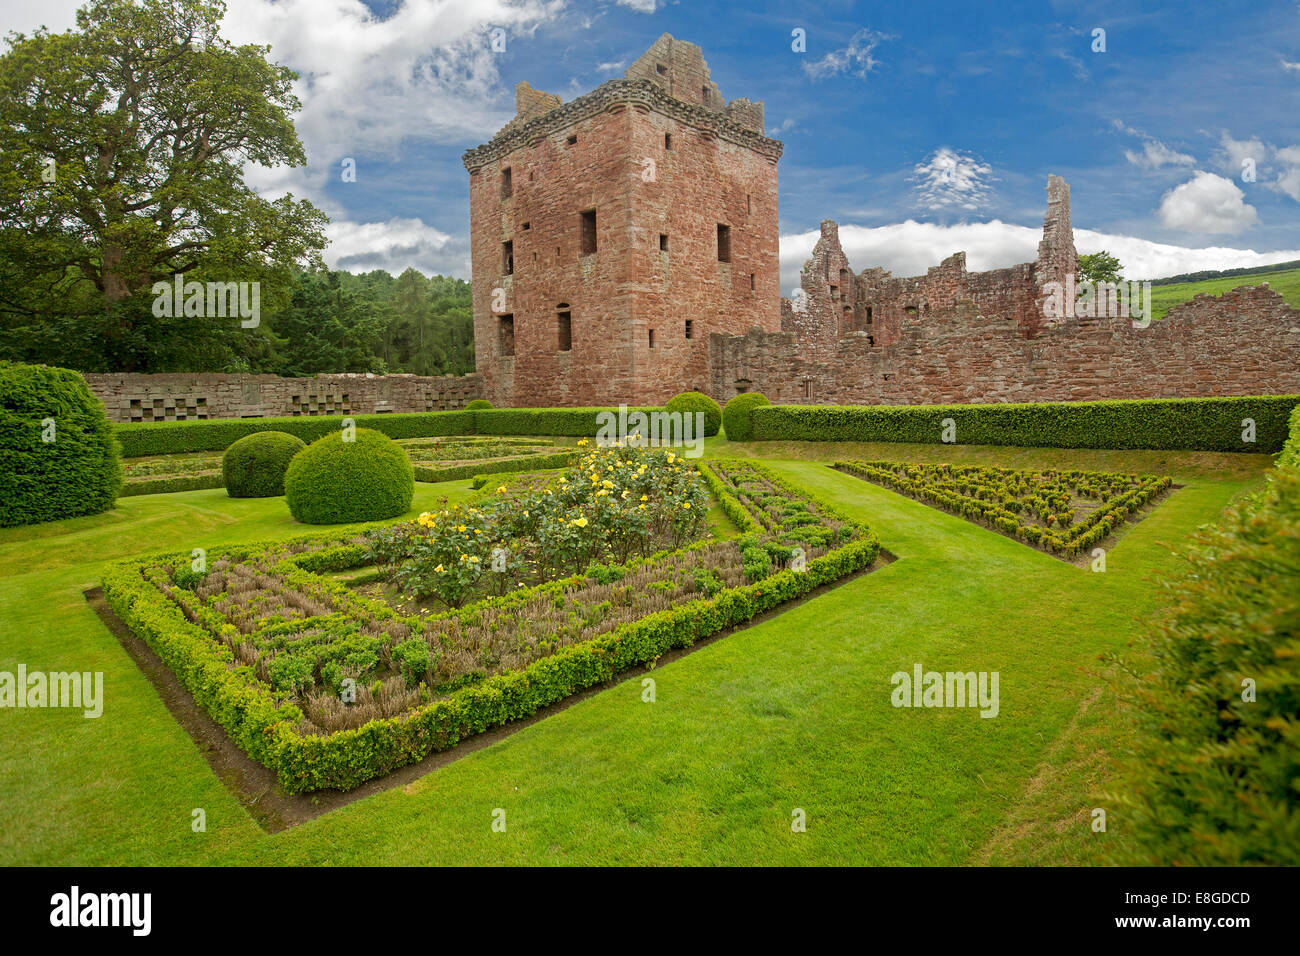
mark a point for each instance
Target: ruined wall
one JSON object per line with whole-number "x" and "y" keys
{"x": 186, "y": 397}
{"x": 1244, "y": 342}
{"x": 663, "y": 161}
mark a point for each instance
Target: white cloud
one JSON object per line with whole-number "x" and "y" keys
{"x": 1293, "y": 67}
{"x": 640, "y": 6}
{"x": 950, "y": 179}
{"x": 1207, "y": 203}
{"x": 910, "y": 248}
{"x": 855, "y": 59}
{"x": 1154, "y": 153}
{"x": 1234, "y": 154}
{"x": 394, "y": 245}
{"x": 784, "y": 126}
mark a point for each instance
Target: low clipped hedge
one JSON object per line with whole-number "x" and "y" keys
{"x": 169, "y": 438}
{"x": 262, "y": 726}
{"x": 479, "y": 404}
{"x": 737, "y": 417}
{"x": 567, "y": 422}
{"x": 167, "y": 485}
{"x": 333, "y": 481}
{"x": 1215, "y": 687}
{"x": 1189, "y": 424}
{"x": 255, "y": 465}
{"x": 77, "y": 471}
{"x": 432, "y": 473}
{"x": 688, "y": 403}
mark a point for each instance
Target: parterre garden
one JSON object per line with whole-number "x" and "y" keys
{"x": 547, "y": 566}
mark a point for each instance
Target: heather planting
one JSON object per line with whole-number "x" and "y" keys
{"x": 560, "y": 580}
{"x": 1063, "y": 512}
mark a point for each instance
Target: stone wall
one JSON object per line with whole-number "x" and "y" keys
{"x": 185, "y": 397}
{"x": 1244, "y": 342}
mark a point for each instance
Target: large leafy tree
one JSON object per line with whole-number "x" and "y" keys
{"x": 125, "y": 142}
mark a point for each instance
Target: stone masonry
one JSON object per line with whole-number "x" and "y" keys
{"x": 613, "y": 235}
{"x": 185, "y": 397}
{"x": 955, "y": 336}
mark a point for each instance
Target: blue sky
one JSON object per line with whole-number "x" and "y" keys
{"x": 922, "y": 128}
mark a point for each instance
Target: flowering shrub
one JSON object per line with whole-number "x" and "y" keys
{"x": 613, "y": 505}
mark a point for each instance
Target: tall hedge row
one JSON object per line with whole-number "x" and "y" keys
{"x": 1193, "y": 424}
{"x": 218, "y": 434}
{"x": 58, "y": 455}
{"x": 1215, "y": 687}
{"x": 1190, "y": 424}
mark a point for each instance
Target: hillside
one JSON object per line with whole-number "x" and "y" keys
{"x": 1165, "y": 297}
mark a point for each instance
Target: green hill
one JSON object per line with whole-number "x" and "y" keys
{"x": 1165, "y": 297}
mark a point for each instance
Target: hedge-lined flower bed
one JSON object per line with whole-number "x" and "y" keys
{"x": 330, "y": 687}
{"x": 1063, "y": 512}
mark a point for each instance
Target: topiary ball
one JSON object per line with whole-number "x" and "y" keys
{"x": 691, "y": 402}
{"x": 58, "y": 455}
{"x": 737, "y": 416}
{"x": 254, "y": 466}
{"x": 478, "y": 404}
{"x": 333, "y": 481}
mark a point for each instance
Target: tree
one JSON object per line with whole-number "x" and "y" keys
{"x": 1099, "y": 267}
{"x": 124, "y": 144}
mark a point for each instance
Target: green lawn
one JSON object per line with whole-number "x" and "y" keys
{"x": 792, "y": 713}
{"x": 1165, "y": 297}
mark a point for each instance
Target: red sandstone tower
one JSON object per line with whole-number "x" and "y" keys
{"x": 612, "y": 234}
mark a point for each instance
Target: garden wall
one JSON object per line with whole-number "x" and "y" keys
{"x": 187, "y": 397}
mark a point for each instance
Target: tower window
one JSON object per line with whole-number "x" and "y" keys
{"x": 507, "y": 258}
{"x": 724, "y": 243}
{"x": 507, "y": 183}
{"x": 589, "y": 232}
{"x": 690, "y": 328}
{"x": 506, "y": 334}
{"x": 564, "y": 330}
{"x": 663, "y": 242}
{"x": 751, "y": 282}
{"x": 668, "y": 140}
{"x": 868, "y": 315}
{"x": 749, "y": 205}
{"x": 661, "y": 69}
{"x": 652, "y": 338}
{"x": 573, "y": 138}
{"x": 526, "y": 226}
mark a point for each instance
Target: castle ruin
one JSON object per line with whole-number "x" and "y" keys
{"x": 625, "y": 248}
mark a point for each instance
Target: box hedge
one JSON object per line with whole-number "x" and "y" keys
{"x": 1215, "y": 689}
{"x": 58, "y": 454}
{"x": 337, "y": 479}
{"x": 262, "y": 725}
{"x": 255, "y": 465}
{"x": 170, "y": 438}
{"x": 1190, "y": 424}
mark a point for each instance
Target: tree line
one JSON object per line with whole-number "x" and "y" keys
{"x": 124, "y": 144}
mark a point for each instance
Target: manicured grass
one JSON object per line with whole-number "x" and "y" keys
{"x": 1165, "y": 297}
{"x": 792, "y": 713}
